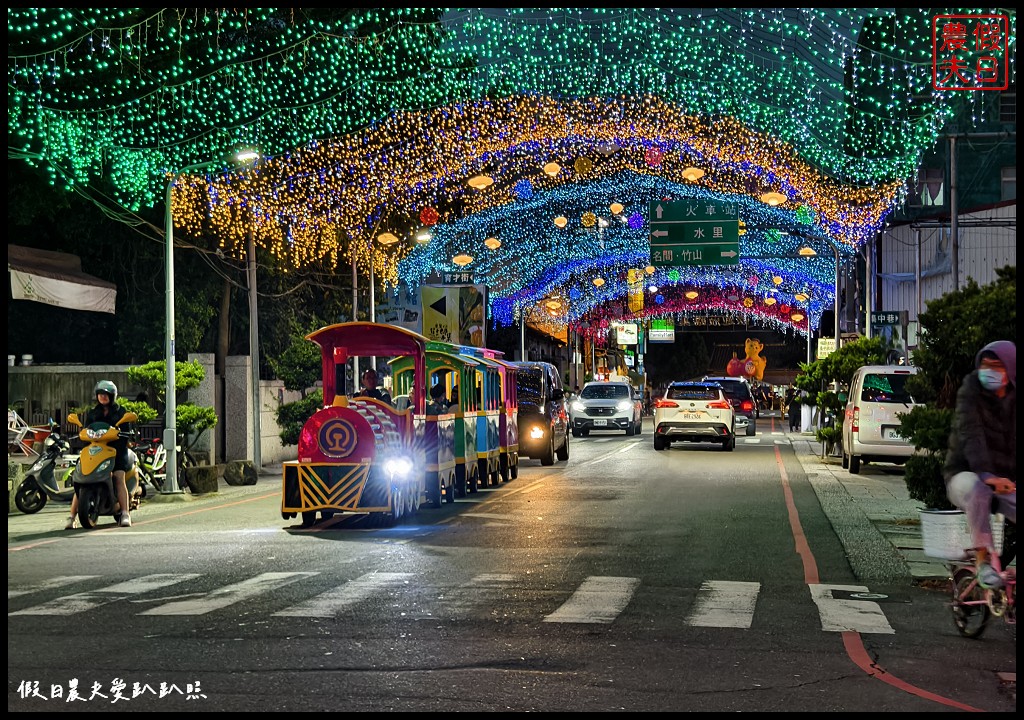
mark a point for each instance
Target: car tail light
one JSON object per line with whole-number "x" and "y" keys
{"x": 855, "y": 421}
{"x": 665, "y": 404}
{"x": 747, "y": 406}
{"x": 720, "y": 405}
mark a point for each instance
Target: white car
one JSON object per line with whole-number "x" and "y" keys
{"x": 694, "y": 412}
{"x": 878, "y": 396}
{"x": 606, "y": 406}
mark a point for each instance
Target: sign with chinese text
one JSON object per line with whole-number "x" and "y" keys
{"x": 969, "y": 52}
{"x": 694, "y": 232}
{"x": 625, "y": 333}
{"x": 455, "y": 313}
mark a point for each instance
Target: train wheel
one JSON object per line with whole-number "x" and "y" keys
{"x": 514, "y": 468}
{"x": 434, "y": 492}
{"x": 450, "y": 493}
{"x": 474, "y": 479}
{"x": 308, "y": 518}
{"x": 503, "y": 467}
{"x": 461, "y": 481}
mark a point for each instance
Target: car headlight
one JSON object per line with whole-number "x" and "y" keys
{"x": 579, "y": 407}
{"x": 398, "y": 467}
{"x": 537, "y": 432}
{"x": 624, "y": 405}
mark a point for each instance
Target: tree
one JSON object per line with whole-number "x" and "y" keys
{"x": 953, "y": 329}
{"x": 191, "y": 420}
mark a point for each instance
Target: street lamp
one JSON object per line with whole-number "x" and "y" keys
{"x": 170, "y": 437}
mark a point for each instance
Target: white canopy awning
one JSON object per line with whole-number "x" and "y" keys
{"x": 55, "y": 278}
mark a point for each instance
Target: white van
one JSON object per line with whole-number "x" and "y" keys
{"x": 877, "y": 394}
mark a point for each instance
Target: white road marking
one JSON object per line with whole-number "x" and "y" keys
{"x": 842, "y": 615}
{"x": 229, "y": 595}
{"x": 598, "y": 600}
{"x": 723, "y": 603}
{"x": 486, "y": 589}
{"x": 49, "y": 584}
{"x": 328, "y": 604}
{"x": 81, "y": 602}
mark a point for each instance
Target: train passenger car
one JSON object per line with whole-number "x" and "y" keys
{"x": 362, "y": 454}
{"x": 453, "y": 371}
{"x": 495, "y": 446}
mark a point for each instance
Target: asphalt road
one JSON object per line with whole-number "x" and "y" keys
{"x": 623, "y": 580}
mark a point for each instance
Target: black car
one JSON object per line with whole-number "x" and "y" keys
{"x": 543, "y": 412}
{"x": 742, "y": 400}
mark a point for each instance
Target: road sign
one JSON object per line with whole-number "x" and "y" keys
{"x": 694, "y": 232}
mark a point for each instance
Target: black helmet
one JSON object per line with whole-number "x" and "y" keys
{"x": 107, "y": 388}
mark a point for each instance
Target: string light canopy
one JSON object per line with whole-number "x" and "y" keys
{"x": 131, "y": 95}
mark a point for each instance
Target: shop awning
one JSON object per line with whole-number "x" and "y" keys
{"x": 55, "y": 278}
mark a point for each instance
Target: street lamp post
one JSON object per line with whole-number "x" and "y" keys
{"x": 254, "y": 357}
{"x": 170, "y": 437}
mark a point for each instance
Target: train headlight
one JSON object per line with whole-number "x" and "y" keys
{"x": 399, "y": 467}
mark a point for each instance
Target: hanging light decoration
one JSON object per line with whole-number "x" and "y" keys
{"x": 598, "y": 281}
{"x": 552, "y": 169}
{"x": 796, "y": 317}
{"x": 423, "y": 236}
{"x": 429, "y": 216}
{"x": 807, "y": 251}
{"x": 583, "y": 165}
{"x": 777, "y": 279}
{"x": 561, "y": 221}
{"x": 616, "y": 208}
{"x": 649, "y": 269}
{"x": 492, "y": 243}
{"x": 692, "y": 294}
{"x": 588, "y": 219}
{"x": 773, "y": 198}
{"x": 800, "y": 297}
{"x": 693, "y": 174}
{"x": 387, "y": 238}
{"x": 769, "y": 301}
{"x": 480, "y": 181}
{"x": 462, "y": 259}
{"x": 653, "y": 156}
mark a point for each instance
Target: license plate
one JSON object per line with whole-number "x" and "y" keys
{"x": 690, "y": 416}
{"x": 890, "y": 434}
{"x": 600, "y": 423}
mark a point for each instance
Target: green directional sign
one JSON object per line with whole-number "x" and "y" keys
{"x": 694, "y": 232}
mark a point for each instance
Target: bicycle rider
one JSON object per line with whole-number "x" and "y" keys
{"x": 981, "y": 463}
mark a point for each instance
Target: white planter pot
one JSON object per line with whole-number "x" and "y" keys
{"x": 945, "y": 535}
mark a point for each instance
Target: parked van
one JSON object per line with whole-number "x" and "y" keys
{"x": 543, "y": 412}
{"x": 877, "y": 394}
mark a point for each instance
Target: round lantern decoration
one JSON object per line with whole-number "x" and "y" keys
{"x": 784, "y": 308}
{"x": 748, "y": 302}
{"x": 589, "y": 219}
{"x": 636, "y": 221}
{"x": 523, "y": 189}
{"x": 659, "y": 299}
{"x": 429, "y": 216}
{"x": 673, "y": 275}
{"x": 653, "y": 156}
{"x": 583, "y": 165}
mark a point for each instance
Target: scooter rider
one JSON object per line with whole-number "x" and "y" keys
{"x": 108, "y": 411}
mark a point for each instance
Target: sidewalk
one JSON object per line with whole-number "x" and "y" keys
{"x": 872, "y": 514}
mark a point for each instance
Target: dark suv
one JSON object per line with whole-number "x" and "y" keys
{"x": 742, "y": 400}
{"x": 543, "y": 412}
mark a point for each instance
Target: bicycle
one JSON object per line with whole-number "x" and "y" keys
{"x": 974, "y": 604}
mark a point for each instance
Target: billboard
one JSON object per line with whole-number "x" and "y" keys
{"x": 662, "y": 331}
{"x": 455, "y": 313}
{"x": 625, "y": 333}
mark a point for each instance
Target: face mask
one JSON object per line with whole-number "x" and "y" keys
{"x": 992, "y": 379}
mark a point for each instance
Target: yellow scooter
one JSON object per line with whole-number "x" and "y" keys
{"x": 93, "y": 477}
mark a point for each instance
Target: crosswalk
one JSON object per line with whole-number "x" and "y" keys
{"x": 596, "y": 600}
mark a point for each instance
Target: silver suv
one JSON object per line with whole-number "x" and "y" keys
{"x": 606, "y": 406}
{"x": 742, "y": 401}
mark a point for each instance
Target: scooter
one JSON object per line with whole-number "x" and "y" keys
{"x": 152, "y": 457}
{"x": 93, "y": 478}
{"x": 47, "y": 479}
